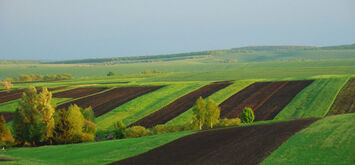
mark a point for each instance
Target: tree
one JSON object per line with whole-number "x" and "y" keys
{"x": 119, "y": 127}
{"x": 212, "y": 113}
{"x": 34, "y": 117}
{"x": 88, "y": 113}
{"x": 110, "y": 74}
{"x": 199, "y": 113}
{"x": 5, "y": 133}
{"x": 69, "y": 126}
{"x": 247, "y": 115}
{"x": 72, "y": 127}
{"x": 7, "y": 85}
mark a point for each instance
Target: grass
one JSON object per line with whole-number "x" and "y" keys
{"x": 93, "y": 153}
{"x": 12, "y": 105}
{"x": 327, "y": 141}
{"x": 315, "y": 100}
{"x": 142, "y": 106}
{"x": 218, "y": 97}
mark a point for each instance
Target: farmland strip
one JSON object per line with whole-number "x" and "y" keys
{"x": 345, "y": 101}
{"x": 280, "y": 99}
{"x": 180, "y": 105}
{"x": 106, "y": 101}
{"x": 16, "y": 94}
{"x": 77, "y": 92}
{"x": 238, "y": 145}
{"x": 266, "y": 99}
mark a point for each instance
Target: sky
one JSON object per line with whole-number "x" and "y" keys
{"x": 78, "y": 29}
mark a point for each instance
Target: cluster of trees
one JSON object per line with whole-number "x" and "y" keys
{"x": 37, "y": 77}
{"x": 7, "y": 85}
{"x": 36, "y": 122}
{"x": 150, "y": 71}
{"x": 206, "y": 115}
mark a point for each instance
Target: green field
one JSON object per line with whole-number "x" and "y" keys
{"x": 138, "y": 108}
{"x": 12, "y": 105}
{"x": 88, "y": 153}
{"x": 327, "y": 141}
{"x": 315, "y": 100}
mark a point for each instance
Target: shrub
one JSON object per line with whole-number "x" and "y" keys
{"x": 119, "y": 128}
{"x": 247, "y": 115}
{"x": 110, "y": 74}
{"x": 7, "y": 85}
{"x": 229, "y": 122}
{"x": 136, "y": 131}
{"x": 88, "y": 113}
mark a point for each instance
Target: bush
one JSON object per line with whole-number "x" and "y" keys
{"x": 136, "y": 131}
{"x": 119, "y": 128}
{"x": 247, "y": 115}
{"x": 110, "y": 74}
{"x": 229, "y": 122}
{"x": 88, "y": 114}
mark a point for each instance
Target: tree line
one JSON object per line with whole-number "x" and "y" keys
{"x": 39, "y": 77}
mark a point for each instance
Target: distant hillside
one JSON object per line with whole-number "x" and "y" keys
{"x": 19, "y": 62}
{"x": 240, "y": 55}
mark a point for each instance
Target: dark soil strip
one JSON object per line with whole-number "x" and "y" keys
{"x": 279, "y": 100}
{"x": 238, "y": 145}
{"x": 345, "y": 101}
{"x": 16, "y": 94}
{"x": 180, "y": 105}
{"x": 6, "y": 159}
{"x": 78, "y": 92}
{"x": 105, "y": 102}
{"x": 266, "y": 99}
{"x": 8, "y": 116}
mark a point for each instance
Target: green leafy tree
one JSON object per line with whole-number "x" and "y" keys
{"x": 247, "y": 115}
{"x": 88, "y": 114}
{"x": 34, "y": 120}
{"x": 6, "y": 137}
{"x": 110, "y": 74}
{"x": 212, "y": 113}
{"x": 119, "y": 127}
{"x": 199, "y": 113}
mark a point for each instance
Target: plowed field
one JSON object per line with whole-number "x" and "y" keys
{"x": 105, "y": 102}
{"x": 180, "y": 105}
{"x": 16, "y": 94}
{"x": 238, "y": 145}
{"x": 345, "y": 101}
{"x": 266, "y": 99}
{"x": 77, "y": 92}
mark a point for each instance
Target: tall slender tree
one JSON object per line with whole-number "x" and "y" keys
{"x": 199, "y": 113}
{"x": 212, "y": 113}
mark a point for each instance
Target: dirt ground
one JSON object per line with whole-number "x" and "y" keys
{"x": 180, "y": 105}
{"x": 105, "y": 102}
{"x": 77, "y": 92}
{"x": 265, "y": 98}
{"x": 235, "y": 145}
{"x": 345, "y": 101}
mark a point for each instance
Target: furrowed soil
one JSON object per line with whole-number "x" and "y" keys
{"x": 265, "y": 98}
{"x": 180, "y": 105}
{"x": 16, "y": 94}
{"x": 345, "y": 101}
{"x": 105, "y": 102}
{"x": 238, "y": 145}
{"x": 78, "y": 92}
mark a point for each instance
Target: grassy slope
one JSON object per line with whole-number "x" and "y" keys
{"x": 12, "y": 105}
{"x": 89, "y": 153}
{"x": 315, "y": 100}
{"x": 218, "y": 97}
{"x": 146, "y": 104}
{"x": 327, "y": 141}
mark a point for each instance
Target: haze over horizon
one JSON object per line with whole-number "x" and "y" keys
{"x": 63, "y": 30}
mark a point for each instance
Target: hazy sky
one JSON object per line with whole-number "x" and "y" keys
{"x": 75, "y": 29}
